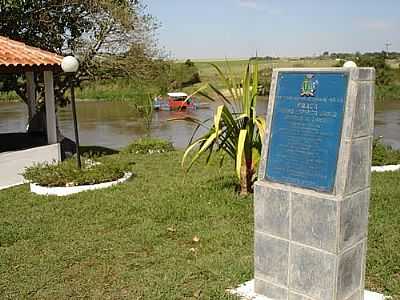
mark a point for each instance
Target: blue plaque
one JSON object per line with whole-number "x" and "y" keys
{"x": 306, "y": 129}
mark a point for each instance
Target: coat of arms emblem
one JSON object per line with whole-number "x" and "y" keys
{"x": 309, "y": 86}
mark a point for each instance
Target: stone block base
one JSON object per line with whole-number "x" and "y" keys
{"x": 308, "y": 244}
{"x": 246, "y": 292}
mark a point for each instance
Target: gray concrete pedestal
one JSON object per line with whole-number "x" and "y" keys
{"x": 311, "y": 244}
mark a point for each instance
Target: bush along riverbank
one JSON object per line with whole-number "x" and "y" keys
{"x": 148, "y": 145}
{"x": 384, "y": 154}
{"x": 388, "y": 92}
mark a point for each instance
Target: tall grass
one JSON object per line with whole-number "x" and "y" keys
{"x": 208, "y": 73}
{"x": 111, "y": 90}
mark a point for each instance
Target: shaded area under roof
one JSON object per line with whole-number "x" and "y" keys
{"x": 17, "y": 56}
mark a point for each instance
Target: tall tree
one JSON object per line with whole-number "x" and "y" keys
{"x": 86, "y": 28}
{"x": 95, "y": 31}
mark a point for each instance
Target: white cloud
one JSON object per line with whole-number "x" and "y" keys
{"x": 248, "y": 3}
{"x": 377, "y": 25}
{"x": 261, "y": 6}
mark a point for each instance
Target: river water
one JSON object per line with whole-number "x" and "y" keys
{"x": 116, "y": 124}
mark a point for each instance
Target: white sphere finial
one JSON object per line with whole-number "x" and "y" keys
{"x": 350, "y": 64}
{"x": 69, "y": 64}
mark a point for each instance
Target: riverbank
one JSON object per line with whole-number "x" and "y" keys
{"x": 122, "y": 89}
{"x": 388, "y": 92}
{"x": 161, "y": 235}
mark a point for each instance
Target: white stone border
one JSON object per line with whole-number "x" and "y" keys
{"x": 246, "y": 292}
{"x": 65, "y": 191}
{"x": 387, "y": 168}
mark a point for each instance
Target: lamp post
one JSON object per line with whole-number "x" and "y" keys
{"x": 70, "y": 65}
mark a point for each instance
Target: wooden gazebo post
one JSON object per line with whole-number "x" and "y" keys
{"x": 50, "y": 108}
{"x": 31, "y": 93}
{"x": 51, "y": 129}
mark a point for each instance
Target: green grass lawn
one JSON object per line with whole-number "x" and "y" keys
{"x": 383, "y": 258}
{"x": 137, "y": 240}
{"x": 134, "y": 241}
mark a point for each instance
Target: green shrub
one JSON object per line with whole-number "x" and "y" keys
{"x": 388, "y": 92}
{"x": 9, "y": 96}
{"x": 95, "y": 152}
{"x": 384, "y": 154}
{"x": 237, "y": 131}
{"x": 67, "y": 174}
{"x": 148, "y": 146}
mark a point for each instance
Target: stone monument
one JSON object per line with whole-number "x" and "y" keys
{"x": 312, "y": 196}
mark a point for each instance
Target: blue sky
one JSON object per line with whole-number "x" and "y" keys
{"x": 239, "y": 28}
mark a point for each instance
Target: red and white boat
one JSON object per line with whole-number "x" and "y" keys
{"x": 176, "y": 101}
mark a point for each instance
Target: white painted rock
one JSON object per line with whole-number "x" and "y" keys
{"x": 246, "y": 292}
{"x": 65, "y": 191}
{"x": 387, "y": 168}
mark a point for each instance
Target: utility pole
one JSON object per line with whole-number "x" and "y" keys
{"x": 387, "y": 48}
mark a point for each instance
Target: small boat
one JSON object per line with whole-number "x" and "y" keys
{"x": 176, "y": 101}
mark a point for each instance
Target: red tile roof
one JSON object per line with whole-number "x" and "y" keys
{"x": 18, "y": 54}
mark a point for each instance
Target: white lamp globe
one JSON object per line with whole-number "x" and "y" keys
{"x": 69, "y": 64}
{"x": 349, "y": 64}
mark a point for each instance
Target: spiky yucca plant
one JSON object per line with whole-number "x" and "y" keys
{"x": 236, "y": 129}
